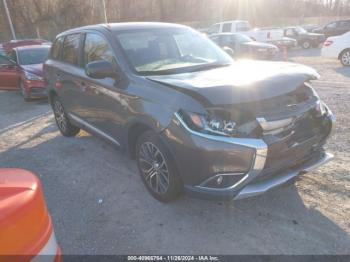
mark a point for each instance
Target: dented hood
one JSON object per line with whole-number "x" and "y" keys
{"x": 242, "y": 82}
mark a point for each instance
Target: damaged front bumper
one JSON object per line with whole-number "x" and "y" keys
{"x": 252, "y": 182}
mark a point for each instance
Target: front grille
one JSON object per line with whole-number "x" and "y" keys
{"x": 303, "y": 138}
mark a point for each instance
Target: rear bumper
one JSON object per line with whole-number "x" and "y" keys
{"x": 330, "y": 52}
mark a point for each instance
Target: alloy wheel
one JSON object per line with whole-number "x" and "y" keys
{"x": 345, "y": 58}
{"x": 306, "y": 45}
{"x": 60, "y": 115}
{"x": 154, "y": 168}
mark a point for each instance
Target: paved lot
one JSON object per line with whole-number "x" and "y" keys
{"x": 99, "y": 205}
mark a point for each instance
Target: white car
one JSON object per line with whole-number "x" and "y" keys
{"x": 266, "y": 35}
{"x": 338, "y": 47}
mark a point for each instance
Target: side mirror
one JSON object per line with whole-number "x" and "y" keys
{"x": 229, "y": 51}
{"x": 100, "y": 69}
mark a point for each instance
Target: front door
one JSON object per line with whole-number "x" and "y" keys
{"x": 9, "y": 75}
{"x": 104, "y": 99}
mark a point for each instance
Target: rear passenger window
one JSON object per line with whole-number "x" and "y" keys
{"x": 70, "y": 52}
{"x": 56, "y": 48}
{"x": 96, "y": 48}
{"x": 226, "y": 28}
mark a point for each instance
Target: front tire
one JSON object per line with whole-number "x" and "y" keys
{"x": 345, "y": 57}
{"x": 157, "y": 169}
{"x": 62, "y": 121}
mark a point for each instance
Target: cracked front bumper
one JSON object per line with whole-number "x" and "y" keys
{"x": 253, "y": 182}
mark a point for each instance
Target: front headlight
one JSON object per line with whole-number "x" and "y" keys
{"x": 208, "y": 124}
{"x": 31, "y": 76}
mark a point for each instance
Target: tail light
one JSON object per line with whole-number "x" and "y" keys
{"x": 328, "y": 43}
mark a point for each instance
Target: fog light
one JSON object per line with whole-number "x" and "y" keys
{"x": 219, "y": 180}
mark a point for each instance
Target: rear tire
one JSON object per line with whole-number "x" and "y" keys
{"x": 62, "y": 121}
{"x": 157, "y": 168}
{"x": 345, "y": 57}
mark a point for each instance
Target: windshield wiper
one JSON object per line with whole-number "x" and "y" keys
{"x": 185, "y": 69}
{"x": 208, "y": 67}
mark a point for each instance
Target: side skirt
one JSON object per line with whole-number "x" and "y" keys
{"x": 90, "y": 128}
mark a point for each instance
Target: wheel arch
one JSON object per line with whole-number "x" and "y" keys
{"x": 51, "y": 95}
{"x": 340, "y": 54}
{"x": 134, "y": 131}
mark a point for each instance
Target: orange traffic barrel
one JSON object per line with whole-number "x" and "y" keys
{"x": 26, "y": 232}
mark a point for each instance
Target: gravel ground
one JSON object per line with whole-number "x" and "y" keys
{"x": 99, "y": 205}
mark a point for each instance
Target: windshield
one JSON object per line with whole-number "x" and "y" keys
{"x": 168, "y": 51}
{"x": 33, "y": 56}
{"x": 244, "y": 38}
{"x": 300, "y": 30}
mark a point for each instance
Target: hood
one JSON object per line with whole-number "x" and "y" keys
{"x": 255, "y": 44}
{"x": 242, "y": 82}
{"x": 35, "y": 69}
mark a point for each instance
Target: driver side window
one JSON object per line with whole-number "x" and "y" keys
{"x": 96, "y": 48}
{"x": 331, "y": 25}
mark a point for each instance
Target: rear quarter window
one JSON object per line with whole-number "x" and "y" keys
{"x": 70, "y": 52}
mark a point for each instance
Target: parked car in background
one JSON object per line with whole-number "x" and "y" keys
{"x": 338, "y": 47}
{"x": 303, "y": 37}
{"x": 23, "y": 69}
{"x": 192, "y": 117}
{"x": 8, "y": 46}
{"x": 334, "y": 28}
{"x": 282, "y": 42}
{"x": 310, "y": 27}
{"x": 238, "y": 26}
{"x": 244, "y": 46}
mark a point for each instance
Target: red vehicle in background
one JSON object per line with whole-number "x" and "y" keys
{"x": 22, "y": 69}
{"x": 8, "y": 46}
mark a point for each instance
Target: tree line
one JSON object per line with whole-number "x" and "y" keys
{"x": 46, "y": 18}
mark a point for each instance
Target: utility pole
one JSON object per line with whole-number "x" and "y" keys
{"x": 104, "y": 10}
{"x": 9, "y": 19}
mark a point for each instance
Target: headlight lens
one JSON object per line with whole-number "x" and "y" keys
{"x": 31, "y": 76}
{"x": 209, "y": 124}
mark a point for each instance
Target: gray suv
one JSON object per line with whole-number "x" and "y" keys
{"x": 194, "y": 119}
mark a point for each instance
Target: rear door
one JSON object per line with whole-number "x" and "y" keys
{"x": 9, "y": 74}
